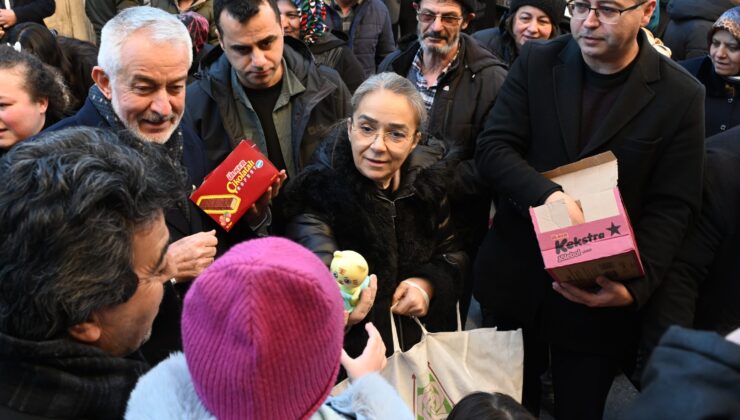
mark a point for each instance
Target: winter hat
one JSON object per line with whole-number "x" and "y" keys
{"x": 313, "y": 13}
{"x": 554, "y": 9}
{"x": 729, "y": 21}
{"x": 262, "y": 332}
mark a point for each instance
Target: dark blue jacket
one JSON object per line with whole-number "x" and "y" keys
{"x": 692, "y": 375}
{"x": 370, "y": 36}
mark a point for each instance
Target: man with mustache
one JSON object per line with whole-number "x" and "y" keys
{"x": 603, "y": 88}
{"x": 140, "y": 82}
{"x": 459, "y": 81}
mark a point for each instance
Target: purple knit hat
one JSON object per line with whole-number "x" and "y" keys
{"x": 262, "y": 332}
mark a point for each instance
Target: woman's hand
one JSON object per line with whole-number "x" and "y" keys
{"x": 367, "y": 299}
{"x": 574, "y": 209}
{"x": 372, "y": 358}
{"x": 412, "y": 297}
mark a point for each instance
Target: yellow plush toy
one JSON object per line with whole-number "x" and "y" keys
{"x": 351, "y": 272}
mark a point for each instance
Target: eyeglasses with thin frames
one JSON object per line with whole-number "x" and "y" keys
{"x": 609, "y": 15}
{"x": 429, "y": 17}
{"x": 369, "y": 134}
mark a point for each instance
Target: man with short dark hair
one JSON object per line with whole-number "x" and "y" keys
{"x": 602, "y": 89}
{"x": 82, "y": 270}
{"x": 263, "y": 87}
{"x": 459, "y": 81}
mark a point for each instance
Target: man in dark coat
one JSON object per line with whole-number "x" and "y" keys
{"x": 459, "y": 81}
{"x": 602, "y": 89}
{"x": 82, "y": 283}
{"x": 256, "y": 87}
{"x": 145, "y": 95}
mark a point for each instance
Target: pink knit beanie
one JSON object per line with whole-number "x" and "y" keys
{"x": 262, "y": 332}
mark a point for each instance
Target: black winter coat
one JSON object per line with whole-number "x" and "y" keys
{"x": 463, "y": 100}
{"x": 702, "y": 288}
{"x": 33, "y": 10}
{"x": 331, "y": 206}
{"x": 332, "y": 51}
{"x": 656, "y": 130}
{"x": 721, "y": 108}
{"x": 499, "y": 43}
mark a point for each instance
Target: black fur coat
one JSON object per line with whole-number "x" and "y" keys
{"x": 331, "y": 206}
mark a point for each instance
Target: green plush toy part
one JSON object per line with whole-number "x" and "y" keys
{"x": 350, "y": 270}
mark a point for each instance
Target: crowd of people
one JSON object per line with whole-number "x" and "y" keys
{"x": 422, "y": 148}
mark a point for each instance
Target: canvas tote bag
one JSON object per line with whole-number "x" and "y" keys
{"x": 444, "y": 367}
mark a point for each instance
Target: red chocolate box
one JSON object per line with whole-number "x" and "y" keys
{"x": 231, "y": 189}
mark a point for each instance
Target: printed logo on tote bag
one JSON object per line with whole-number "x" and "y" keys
{"x": 431, "y": 401}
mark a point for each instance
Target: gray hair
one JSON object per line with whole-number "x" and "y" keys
{"x": 162, "y": 28}
{"x": 70, "y": 203}
{"x": 397, "y": 84}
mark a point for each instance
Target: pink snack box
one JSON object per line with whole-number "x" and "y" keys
{"x": 604, "y": 244}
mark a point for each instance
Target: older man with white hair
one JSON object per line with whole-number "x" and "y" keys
{"x": 140, "y": 81}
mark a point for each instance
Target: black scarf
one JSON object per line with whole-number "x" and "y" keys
{"x": 65, "y": 379}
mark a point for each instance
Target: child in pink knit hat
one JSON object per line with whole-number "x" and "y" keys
{"x": 263, "y": 328}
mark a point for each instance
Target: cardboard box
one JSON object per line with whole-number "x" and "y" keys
{"x": 230, "y": 189}
{"x": 604, "y": 244}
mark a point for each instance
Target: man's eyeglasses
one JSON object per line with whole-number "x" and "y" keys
{"x": 429, "y": 17}
{"x": 609, "y": 15}
{"x": 369, "y": 134}
{"x": 292, "y": 15}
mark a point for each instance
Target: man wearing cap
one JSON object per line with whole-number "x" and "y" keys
{"x": 602, "y": 89}
{"x": 459, "y": 81}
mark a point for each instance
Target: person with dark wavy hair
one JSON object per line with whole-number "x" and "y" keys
{"x": 32, "y": 97}
{"x": 72, "y": 58}
{"x": 82, "y": 271}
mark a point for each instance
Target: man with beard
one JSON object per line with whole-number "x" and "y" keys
{"x": 602, "y": 89}
{"x": 459, "y": 81}
{"x": 140, "y": 81}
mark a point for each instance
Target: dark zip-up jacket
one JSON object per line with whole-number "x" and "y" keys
{"x": 215, "y": 118}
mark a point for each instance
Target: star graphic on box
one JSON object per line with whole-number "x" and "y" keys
{"x": 614, "y": 229}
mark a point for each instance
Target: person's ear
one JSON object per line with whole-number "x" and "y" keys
{"x": 415, "y": 5}
{"x": 103, "y": 81}
{"x": 648, "y": 12}
{"x": 417, "y": 139}
{"x": 467, "y": 19}
{"x": 87, "y": 332}
{"x": 349, "y": 127}
{"x": 43, "y": 104}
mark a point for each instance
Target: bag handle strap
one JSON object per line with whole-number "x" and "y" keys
{"x": 394, "y": 331}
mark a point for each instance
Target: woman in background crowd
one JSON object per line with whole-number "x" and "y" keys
{"x": 31, "y": 97}
{"x": 526, "y": 20}
{"x": 304, "y": 20}
{"x": 375, "y": 190}
{"x": 72, "y": 58}
{"x": 720, "y": 73}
